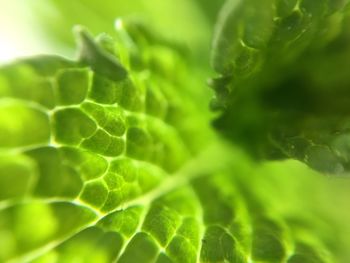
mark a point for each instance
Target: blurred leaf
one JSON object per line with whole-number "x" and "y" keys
{"x": 181, "y": 21}
{"x": 283, "y": 88}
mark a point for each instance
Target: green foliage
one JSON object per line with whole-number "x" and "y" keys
{"x": 111, "y": 157}
{"x": 280, "y": 88}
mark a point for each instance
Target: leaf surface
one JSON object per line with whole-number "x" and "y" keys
{"x": 283, "y": 84}
{"x": 108, "y": 159}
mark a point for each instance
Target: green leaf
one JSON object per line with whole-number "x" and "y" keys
{"x": 110, "y": 159}
{"x": 283, "y": 80}
{"x": 98, "y": 59}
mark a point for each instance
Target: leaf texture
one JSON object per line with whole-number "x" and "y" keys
{"x": 283, "y": 84}
{"x": 103, "y": 160}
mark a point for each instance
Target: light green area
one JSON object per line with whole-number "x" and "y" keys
{"x": 189, "y": 24}
{"x": 22, "y": 125}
